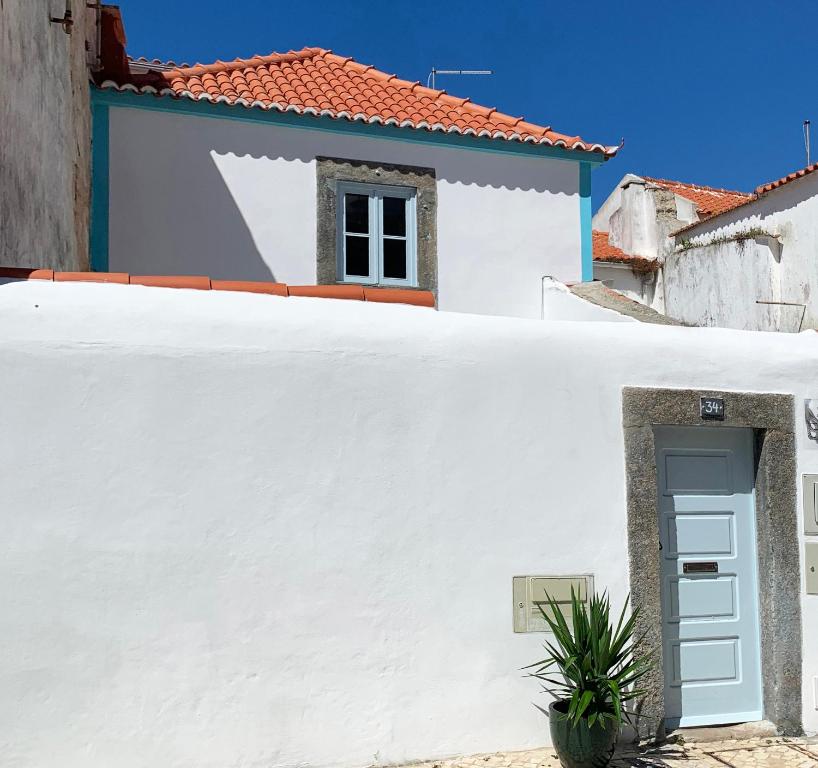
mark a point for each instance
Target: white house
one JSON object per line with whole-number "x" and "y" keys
{"x": 308, "y": 167}
{"x": 753, "y": 266}
{"x": 244, "y": 529}
{"x": 633, "y": 231}
{"x": 714, "y": 257}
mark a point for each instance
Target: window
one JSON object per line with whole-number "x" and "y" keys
{"x": 376, "y": 234}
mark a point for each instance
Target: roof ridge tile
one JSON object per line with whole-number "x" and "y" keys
{"x": 347, "y": 89}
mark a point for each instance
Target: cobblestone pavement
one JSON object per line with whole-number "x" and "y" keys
{"x": 774, "y": 752}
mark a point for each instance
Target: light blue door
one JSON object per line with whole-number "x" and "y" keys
{"x": 707, "y": 542}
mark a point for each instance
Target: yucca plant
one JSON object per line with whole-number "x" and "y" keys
{"x": 597, "y": 665}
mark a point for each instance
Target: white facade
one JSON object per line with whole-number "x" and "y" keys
{"x": 753, "y": 267}
{"x": 646, "y": 288}
{"x": 639, "y": 216}
{"x": 237, "y": 200}
{"x": 251, "y": 530}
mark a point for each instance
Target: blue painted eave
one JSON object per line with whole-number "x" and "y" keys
{"x": 204, "y": 108}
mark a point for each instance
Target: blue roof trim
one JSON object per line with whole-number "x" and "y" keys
{"x": 204, "y": 108}
{"x": 99, "y": 186}
{"x": 585, "y": 223}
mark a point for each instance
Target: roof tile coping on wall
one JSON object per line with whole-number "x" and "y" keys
{"x": 204, "y": 283}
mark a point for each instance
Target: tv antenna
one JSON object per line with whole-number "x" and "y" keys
{"x": 806, "y": 138}
{"x": 435, "y": 71}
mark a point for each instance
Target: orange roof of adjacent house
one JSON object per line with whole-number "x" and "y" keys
{"x": 604, "y": 251}
{"x": 709, "y": 201}
{"x": 770, "y": 186}
{"x": 317, "y": 82}
{"x": 760, "y": 191}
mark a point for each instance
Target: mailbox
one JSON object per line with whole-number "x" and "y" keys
{"x": 810, "y": 502}
{"x": 530, "y": 594}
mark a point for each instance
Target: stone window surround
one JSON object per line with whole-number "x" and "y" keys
{"x": 771, "y": 417}
{"x": 331, "y": 170}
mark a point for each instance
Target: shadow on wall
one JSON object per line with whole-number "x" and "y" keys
{"x": 198, "y": 209}
{"x": 453, "y": 165}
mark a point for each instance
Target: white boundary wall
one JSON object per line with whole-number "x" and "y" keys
{"x": 249, "y": 530}
{"x": 720, "y": 280}
{"x": 235, "y": 200}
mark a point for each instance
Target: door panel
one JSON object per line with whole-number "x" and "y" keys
{"x": 709, "y": 609}
{"x": 702, "y": 598}
{"x": 698, "y": 661}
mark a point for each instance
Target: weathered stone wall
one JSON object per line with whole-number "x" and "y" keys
{"x": 45, "y": 124}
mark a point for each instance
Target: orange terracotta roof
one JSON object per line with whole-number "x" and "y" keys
{"x": 760, "y": 191}
{"x": 604, "y": 252}
{"x": 709, "y": 201}
{"x": 317, "y": 82}
{"x": 201, "y": 282}
{"x": 770, "y": 186}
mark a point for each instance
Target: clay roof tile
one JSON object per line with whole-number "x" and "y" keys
{"x": 315, "y": 76}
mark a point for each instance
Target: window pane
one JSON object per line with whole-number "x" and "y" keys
{"x": 394, "y": 216}
{"x": 394, "y": 259}
{"x": 357, "y": 256}
{"x": 357, "y": 213}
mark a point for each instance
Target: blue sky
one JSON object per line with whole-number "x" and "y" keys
{"x": 708, "y": 92}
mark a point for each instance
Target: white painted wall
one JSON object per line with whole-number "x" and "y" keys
{"x": 721, "y": 285}
{"x": 248, "y": 530}
{"x": 560, "y": 304}
{"x": 236, "y": 200}
{"x": 734, "y": 277}
{"x": 646, "y": 289}
{"x": 629, "y": 218}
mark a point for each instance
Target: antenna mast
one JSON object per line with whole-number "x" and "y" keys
{"x": 806, "y": 138}
{"x": 436, "y": 71}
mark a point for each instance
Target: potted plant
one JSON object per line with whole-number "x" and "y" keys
{"x": 591, "y": 671}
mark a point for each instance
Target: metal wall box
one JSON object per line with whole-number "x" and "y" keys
{"x": 811, "y": 566}
{"x": 529, "y": 593}
{"x": 810, "y": 500}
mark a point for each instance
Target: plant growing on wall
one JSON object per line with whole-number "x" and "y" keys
{"x": 592, "y": 670}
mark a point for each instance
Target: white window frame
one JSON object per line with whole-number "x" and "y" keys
{"x": 376, "y": 193}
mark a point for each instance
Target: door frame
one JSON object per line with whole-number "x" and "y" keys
{"x": 771, "y": 416}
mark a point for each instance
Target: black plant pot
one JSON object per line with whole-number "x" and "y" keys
{"x": 581, "y": 745}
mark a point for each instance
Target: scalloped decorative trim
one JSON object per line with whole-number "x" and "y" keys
{"x": 580, "y": 146}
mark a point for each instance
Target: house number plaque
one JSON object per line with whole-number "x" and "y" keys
{"x": 712, "y": 408}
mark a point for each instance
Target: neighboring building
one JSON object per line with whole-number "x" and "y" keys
{"x": 47, "y": 52}
{"x": 714, "y": 257}
{"x": 308, "y": 167}
{"x": 634, "y": 228}
{"x": 257, "y": 530}
{"x": 753, "y": 266}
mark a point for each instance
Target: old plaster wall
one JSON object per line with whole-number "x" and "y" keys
{"x": 730, "y": 284}
{"x": 735, "y": 274}
{"x": 231, "y": 199}
{"x": 46, "y": 135}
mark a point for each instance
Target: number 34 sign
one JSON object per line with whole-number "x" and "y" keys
{"x": 712, "y": 408}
